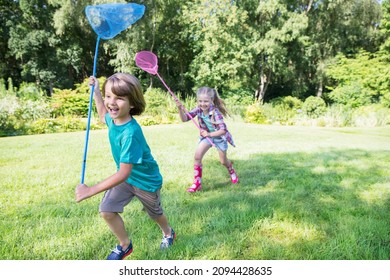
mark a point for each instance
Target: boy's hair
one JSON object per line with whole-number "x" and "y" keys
{"x": 217, "y": 101}
{"x": 123, "y": 84}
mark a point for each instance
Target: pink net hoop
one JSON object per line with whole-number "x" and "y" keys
{"x": 147, "y": 61}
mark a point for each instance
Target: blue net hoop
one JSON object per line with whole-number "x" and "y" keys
{"x": 108, "y": 20}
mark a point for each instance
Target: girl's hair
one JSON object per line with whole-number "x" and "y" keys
{"x": 217, "y": 101}
{"x": 123, "y": 84}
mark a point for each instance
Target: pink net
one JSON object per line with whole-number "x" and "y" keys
{"x": 147, "y": 61}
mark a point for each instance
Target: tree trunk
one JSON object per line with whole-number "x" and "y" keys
{"x": 320, "y": 88}
{"x": 262, "y": 88}
{"x": 308, "y": 7}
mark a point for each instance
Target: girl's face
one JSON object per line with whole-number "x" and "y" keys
{"x": 204, "y": 102}
{"x": 118, "y": 106}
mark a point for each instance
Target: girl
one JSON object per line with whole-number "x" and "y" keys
{"x": 210, "y": 112}
{"x": 137, "y": 173}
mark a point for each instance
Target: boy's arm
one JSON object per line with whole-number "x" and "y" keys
{"x": 84, "y": 192}
{"x": 101, "y": 108}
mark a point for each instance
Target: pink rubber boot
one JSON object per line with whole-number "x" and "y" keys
{"x": 197, "y": 185}
{"x": 233, "y": 174}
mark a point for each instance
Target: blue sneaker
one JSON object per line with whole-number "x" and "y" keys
{"x": 167, "y": 241}
{"x": 119, "y": 254}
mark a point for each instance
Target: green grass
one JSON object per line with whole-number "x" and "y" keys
{"x": 305, "y": 193}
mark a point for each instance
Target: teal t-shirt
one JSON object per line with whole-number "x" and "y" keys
{"x": 128, "y": 145}
{"x": 208, "y": 123}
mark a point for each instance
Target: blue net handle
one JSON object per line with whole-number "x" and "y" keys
{"x": 108, "y": 20}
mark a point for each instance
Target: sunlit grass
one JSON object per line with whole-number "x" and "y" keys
{"x": 304, "y": 193}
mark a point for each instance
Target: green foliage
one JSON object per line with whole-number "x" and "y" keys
{"x": 161, "y": 108}
{"x": 60, "y": 124}
{"x": 8, "y": 121}
{"x": 281, "y": 46}
{"x": 314, "y": 106}
{"x": 352, "y": 95}
{"x": 337, "y": 116}
{"x": 254, "y": 114}
{"x": 73, "y": 103}
{"x": 279, "y": 114}
{"x": 30, "y": 91}
{"x": 69, "y": 103}
{"x": 371, "y": 115}
{"x": 360, "y": 80}
{"x": 237, "y": 100}
{"x": 16, "y": 114}
{"x": 288, "y": 102}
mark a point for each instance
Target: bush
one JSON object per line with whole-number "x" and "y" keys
{"x": 160, "y": 108}
{"x": 236, "y": 102}
{"x": 16, "y": 114}
{"x": 30, "y": 91}
{"x": 353, "y": 95}
{"x": 314, "y": 107}
{"x": 69, "y": 103}
{"x": 279, "y": 114}
{"x": 60, "y": 124}
{"x": 254, "y": 114}
{"x": 337, "y": 116}
{"x": 372, "y": 115}
{"x": 288, "y": 102}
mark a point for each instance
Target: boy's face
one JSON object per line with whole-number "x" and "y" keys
{"x": 117, "y": 106}
{"x": 204, "y": 102}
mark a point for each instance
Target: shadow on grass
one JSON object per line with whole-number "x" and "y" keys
{"x": 328, "y": 205}
{"x": 332, "y": 204}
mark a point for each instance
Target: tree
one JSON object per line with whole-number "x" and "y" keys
{"x": 219, "y": 36}
{"x": 10, "y": 15}
{"x": 33, "y": 43}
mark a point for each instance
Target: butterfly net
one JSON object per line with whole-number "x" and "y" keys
{"x": 108, "y": 20}
{"x": 147, "y": 61}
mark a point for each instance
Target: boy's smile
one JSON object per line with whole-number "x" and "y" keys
{"x": 118, "y": 107}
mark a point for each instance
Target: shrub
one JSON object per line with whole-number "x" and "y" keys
{"x": 371, "y": 115}
{"x": 288, "y": 102}
{"x": 254, "y": 114}
{"x": 314, "y": 107}
{"x": 161, "y": 108}
{"x": 279, "y": 114}
{"x": 8, "y": 121}
{"x": 16, "y": 114}
{"x": 337, "y": 116}
{"x": 69, "y": 103}
{"x": 30, "y": 91}
{"x": 236, "y": 102}
{"x": 353, "y": 95}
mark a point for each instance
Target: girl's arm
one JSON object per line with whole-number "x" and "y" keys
{"x": 182, "y": 114}
{"x": 84, "y": 192}
{"x": 218, "y": 123}
{"x": 216, "y": 133}
{"x": 101, "y": 108}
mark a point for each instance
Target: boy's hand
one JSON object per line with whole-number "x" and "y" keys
{"x": 93, "y": 81}
{"x": 82, "y": 192}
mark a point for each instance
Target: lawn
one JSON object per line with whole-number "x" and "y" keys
{"x": 305, "y": 193}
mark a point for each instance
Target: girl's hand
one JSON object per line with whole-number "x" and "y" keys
{"x": 204, "y": 133}
{"x": 178, "y": 104}
{"x": 82, "y": 192}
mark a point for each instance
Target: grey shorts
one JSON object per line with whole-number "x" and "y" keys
{"x": 219, "y": 142}
{"x": 116, "y": 198}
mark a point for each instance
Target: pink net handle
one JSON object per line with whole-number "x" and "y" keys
{"x": 147, "y": 61}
